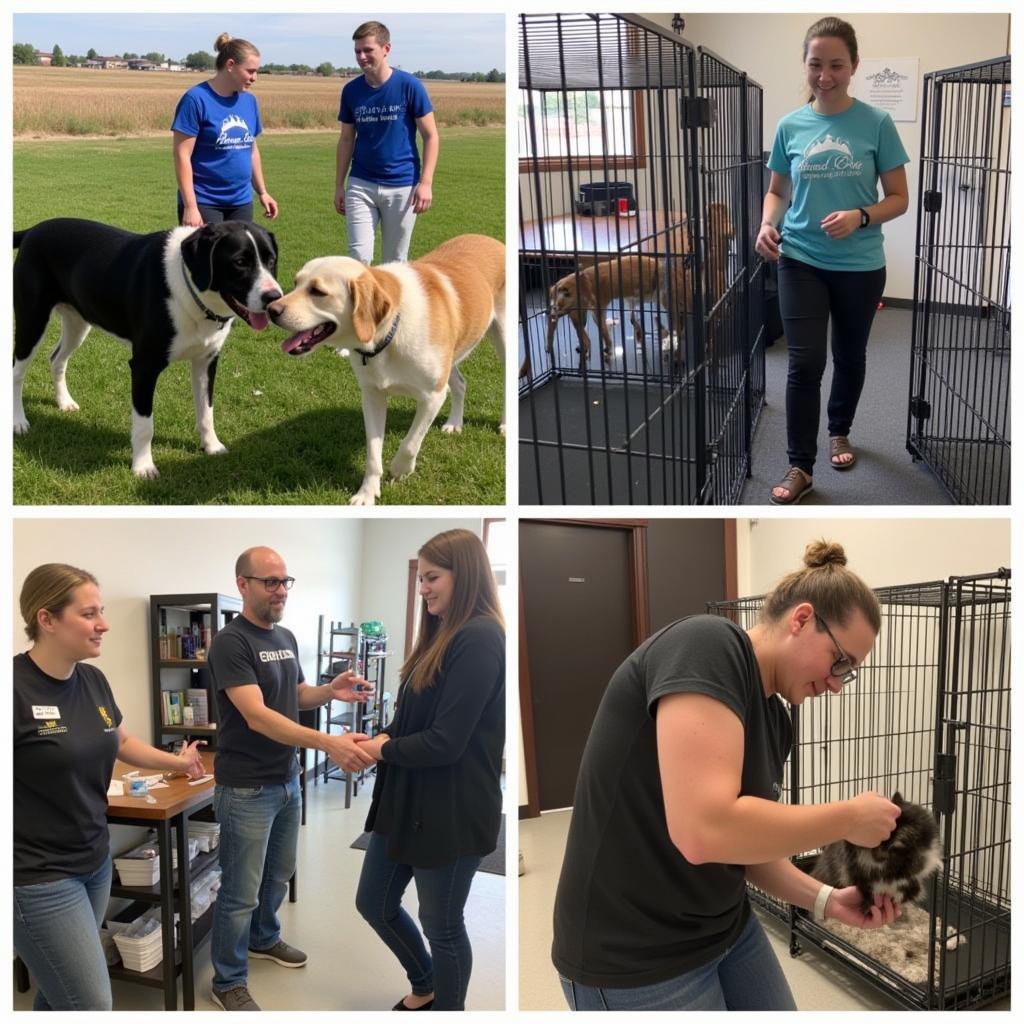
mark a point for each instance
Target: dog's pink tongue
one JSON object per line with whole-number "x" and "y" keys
{"x": 291, "y": 344}
{"x": 258, "y": 321}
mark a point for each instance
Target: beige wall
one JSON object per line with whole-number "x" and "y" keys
{"x": 884, "y": 552}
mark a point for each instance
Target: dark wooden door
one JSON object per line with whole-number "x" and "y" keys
{"x": 578, "y": 613}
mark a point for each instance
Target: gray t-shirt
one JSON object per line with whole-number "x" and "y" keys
{"x": 241, "y": 654}
{"x": 630, "y": 909}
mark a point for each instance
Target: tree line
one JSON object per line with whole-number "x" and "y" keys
{"x": 201, "y": 60}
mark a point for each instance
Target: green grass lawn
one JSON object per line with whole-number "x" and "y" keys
{"x": 293, "y": 427}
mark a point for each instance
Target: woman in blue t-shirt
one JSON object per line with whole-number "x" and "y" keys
{"x": 67, "y": 734}
{"x": 828, "y": 158}
{"x": 216, "y": 159}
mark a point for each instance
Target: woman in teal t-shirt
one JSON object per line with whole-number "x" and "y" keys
{"x": 828, "y": 157}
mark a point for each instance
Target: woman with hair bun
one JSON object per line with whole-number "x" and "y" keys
{"x": 829, "y": 158}
{"x": 676, "y": 804}
{"x": 216, "y": 158}
{"x": 67, "y": 734}
{"x": 436, "y": 808}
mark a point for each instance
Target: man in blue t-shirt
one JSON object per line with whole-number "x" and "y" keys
{"x": 381, "y": 112}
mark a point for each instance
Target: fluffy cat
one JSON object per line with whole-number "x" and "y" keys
{"x": 899, "y": 866}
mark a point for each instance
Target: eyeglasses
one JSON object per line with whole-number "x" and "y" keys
{"x": 273, "y": 582}
{"x": 842, "y": 667}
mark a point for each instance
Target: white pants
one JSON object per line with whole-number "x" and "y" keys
{"x": 366, "y": 205}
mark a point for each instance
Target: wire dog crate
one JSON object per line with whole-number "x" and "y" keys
{"x": 641, "y": 297}
{"x": 958, "y": 414}
{"x": 929, "y": 715}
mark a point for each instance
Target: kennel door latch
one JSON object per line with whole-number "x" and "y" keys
{"x": 696, "y": 112}
{"x": 920, "y": 408}
{"x": 932, "y": 200}
{"x": 944, "y": 797}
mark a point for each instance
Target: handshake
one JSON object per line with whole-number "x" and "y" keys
{"x": 354, "y": 751}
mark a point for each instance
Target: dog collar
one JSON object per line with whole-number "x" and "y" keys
{"x": 209, "y": 313}
{"x": 388, "y": 338}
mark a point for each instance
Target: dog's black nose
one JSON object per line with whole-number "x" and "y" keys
{"x": 271, "y": 296}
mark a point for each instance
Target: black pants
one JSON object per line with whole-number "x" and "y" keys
{"x": 808, "y": 296}
{"x": 216, "y": 214}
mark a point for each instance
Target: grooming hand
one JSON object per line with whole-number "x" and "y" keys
{"x": 372, "y": 747}
{"x": 872, "y": 820}
{"x": 347, "y": 752}
{"x": 841, "y": 223}
{"x": 191, "y": 763}
{"x": 767, "y": 244}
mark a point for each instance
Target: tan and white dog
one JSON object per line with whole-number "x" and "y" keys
{"x": 406, "y": 326}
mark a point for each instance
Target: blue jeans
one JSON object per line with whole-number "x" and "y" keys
{"x": 219, "y": 214}
{"x": 808, "y": 298}
{"x": 259, "y": 832}
{"x": 747, "y": 976}
{"x": 57, "y": 935}
{"x": 442, "y": 894}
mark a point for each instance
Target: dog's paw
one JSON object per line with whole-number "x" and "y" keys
{"x": 20, "y": 425}
{"x": 363, "y": 497}
{"x": 67, "y": 405}
{"x": 145, "y": 471}
{"x": 501, "y": 429}
{"x": 402, "y": 465}
{"x": 215, "y": 449}
{"x": 451, "y": 428}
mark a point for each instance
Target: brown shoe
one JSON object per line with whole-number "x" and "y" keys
{"x": 796, "y": 483}
{"x": 841, "y": 446}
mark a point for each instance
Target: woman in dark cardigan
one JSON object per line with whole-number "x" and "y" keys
{"x": 436, "y": 806}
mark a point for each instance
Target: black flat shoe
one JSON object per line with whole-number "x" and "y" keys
{"x": 400, "y": 1005}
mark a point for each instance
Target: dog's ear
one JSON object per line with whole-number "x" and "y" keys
{"x": 897, "y": 799}
{"x": 197, "y": 252}
{"x": 370, "y": 305}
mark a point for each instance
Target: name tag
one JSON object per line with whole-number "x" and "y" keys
{"x": 44, "y": 711}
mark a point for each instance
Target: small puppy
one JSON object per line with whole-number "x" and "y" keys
{"x": 406, "y": 326}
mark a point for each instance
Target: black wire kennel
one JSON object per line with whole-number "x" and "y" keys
{"x": 929, "y": 715}
{"x": 958, "y": 414}
{"x": 640, "y": 192}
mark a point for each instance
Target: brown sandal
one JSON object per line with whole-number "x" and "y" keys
{"x": 841, "y": 446}
{"x": 797, "y": 483}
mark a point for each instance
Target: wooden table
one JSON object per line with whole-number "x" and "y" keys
{"x": 172, "y": 809}
{"x": 567, "y": 236}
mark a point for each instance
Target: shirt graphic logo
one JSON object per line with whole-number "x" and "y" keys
{"x": 105, "y": 716}
{"x": 277, "y": 655}
{"x": 240, "y": 137}
{"x": 52, "y": 728}
{"x": 829, "y": 157}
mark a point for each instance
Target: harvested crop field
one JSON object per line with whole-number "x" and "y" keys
{"x": 73, "y": 101}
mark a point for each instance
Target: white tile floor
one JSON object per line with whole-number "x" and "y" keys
{"x": 349, "y": 967}
{"x": 816, "y": 982}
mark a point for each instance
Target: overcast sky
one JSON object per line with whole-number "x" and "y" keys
{"x": 419, "y": 42}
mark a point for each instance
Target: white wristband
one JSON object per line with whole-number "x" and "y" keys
{"x": 820, "y": 900}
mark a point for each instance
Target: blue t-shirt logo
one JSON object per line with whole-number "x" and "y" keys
{"x": 234, "y": 123}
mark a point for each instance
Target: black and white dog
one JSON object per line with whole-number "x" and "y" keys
{"x": 170, "y": 295}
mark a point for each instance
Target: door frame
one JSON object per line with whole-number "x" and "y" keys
{"x": 637, "y": 529}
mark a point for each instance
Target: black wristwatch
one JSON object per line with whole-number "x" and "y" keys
{"x": 865, "y": 220}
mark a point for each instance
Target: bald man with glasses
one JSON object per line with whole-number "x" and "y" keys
{"x": 260, "y": 690}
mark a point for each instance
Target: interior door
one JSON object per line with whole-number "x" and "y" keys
{"x": 578, "y": 614}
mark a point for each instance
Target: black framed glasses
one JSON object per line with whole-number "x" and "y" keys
{"x": 842, "y": 667}
{"x": 273, "y": 582}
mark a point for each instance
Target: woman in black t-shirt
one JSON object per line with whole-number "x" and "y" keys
{"x": 436, "y": 807}
{"x": 67, "y": 735}
{"x": 676, "y": 804}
